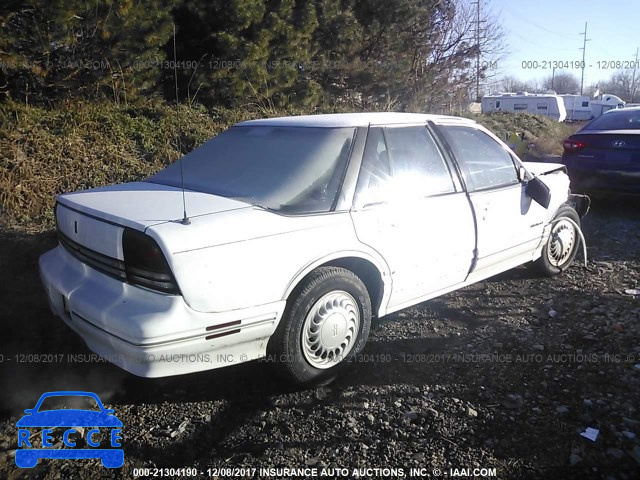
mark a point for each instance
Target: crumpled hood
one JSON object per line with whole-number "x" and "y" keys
{"x": 539, "y": 168}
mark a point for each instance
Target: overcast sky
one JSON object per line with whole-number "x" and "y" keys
{"x": 539, "y": 30}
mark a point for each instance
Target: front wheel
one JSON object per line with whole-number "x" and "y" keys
{"x": 324, "y": 326}
{"x": 562, "y": 246}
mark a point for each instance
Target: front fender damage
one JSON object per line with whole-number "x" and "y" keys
{"x": 580, "y": 203}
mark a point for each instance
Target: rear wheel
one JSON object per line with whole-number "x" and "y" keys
{"x": 325, "y": 324}
{"x": 562, "y": 246}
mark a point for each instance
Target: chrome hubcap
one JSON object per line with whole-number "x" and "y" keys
{"x": 330, "y": 329}
{"x": 561, "y": 243}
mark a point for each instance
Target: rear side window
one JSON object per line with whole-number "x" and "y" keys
{"x": 416, "y": 161}
{"x": 483, "y": 161}
{"x": 629, "y": 120}
{"x": 375, "y": 172}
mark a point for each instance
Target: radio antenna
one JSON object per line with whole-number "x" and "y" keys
{"x": 185, "y": 220}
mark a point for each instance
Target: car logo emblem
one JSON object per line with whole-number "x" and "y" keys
{"x": 619, "y": 144}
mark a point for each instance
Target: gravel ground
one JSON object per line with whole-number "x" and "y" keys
{"x": 505, "y": 374}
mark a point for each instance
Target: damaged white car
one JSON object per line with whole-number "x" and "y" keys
{"x": 283, "y": 237}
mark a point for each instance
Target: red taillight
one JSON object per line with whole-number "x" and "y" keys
{"x": 145, "y": 264}
{"x": 573, "y": 145}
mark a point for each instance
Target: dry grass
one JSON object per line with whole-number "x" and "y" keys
{"x": 545, "y": 134}
{"x": 47, "y": 152}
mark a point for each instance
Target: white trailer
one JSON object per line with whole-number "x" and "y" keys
{"x": 582, "y": 107}
{"x": 578, "y": 107}
{"x": 547, "y": 104}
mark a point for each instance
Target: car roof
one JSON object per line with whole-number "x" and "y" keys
{"x": 625, "y": 109}
{"x": 353, "y": 120}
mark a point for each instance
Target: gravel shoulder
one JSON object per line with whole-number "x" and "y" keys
{"x": 503, "y": 374}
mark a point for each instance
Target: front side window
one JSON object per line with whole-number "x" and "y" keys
{"x": 287, "y": 169}
{"x": 483, "y": 161}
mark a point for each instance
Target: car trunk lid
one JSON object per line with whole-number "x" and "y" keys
{"x": 613, "y": 149}
{"x": 96, "y": 218}
{"x": 616, "y": 139}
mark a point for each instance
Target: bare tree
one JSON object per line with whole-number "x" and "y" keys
{"x": 621, "y": 84}
{"x": 562, "y": 82}
{"x": 451, "y": 62}
{"x": 509, "y": 83}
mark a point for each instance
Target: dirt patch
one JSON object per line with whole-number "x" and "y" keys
{"x": 503, "y": 374}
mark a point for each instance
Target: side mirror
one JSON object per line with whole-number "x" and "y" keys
{"x": 538, "y": 191}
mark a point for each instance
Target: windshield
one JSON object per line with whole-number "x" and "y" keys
{"x": 289, "y": 169}
{"x": 618, "y": 120}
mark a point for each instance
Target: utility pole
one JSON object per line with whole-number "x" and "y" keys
{"x": 584, "y": 51}
{"x": 633, "y": 80}
{"x": 478, "y": 53}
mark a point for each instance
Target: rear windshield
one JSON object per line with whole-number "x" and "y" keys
{"x": 616, "y": 120}
{"x": 288, "y": 169}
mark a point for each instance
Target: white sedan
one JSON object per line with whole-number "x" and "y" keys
{"x": 282, "y": 237}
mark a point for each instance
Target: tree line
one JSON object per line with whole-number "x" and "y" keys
{"x": 414, "y": 54}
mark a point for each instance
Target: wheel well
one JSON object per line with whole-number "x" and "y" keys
{"x": 580, "y": 203}
{"x": 368, "y": 273}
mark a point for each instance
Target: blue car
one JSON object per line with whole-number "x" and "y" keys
{"x": 29, "y": 453}
{"x": 604, "y": 156}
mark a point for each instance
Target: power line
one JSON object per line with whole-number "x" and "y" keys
{"x": 531, "y": 22}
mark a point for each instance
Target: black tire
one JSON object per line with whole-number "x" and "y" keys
{"x": 335, "y": 289}
{"x": 552, "y": 261}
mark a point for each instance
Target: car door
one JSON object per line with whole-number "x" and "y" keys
{"x": 411, "y": 209}
{"x": 510, "y": 224}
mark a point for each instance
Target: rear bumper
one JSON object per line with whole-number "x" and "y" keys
{"x": 594, "y": 174}
{"x": 604, "y": 180}
{"x": 151, "y": 334}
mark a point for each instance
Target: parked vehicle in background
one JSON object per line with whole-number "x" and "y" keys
{"x": 300, "y": 230}
{"x": 582, "y": 107}
{"x": 548, "y": 104}
{"x": 605, "y": 154}
{"x": 605, "y": 103}
{"x": 578, "y": 107}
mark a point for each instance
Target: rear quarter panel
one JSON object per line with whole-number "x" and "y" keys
{"x": 254, "y": 257}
